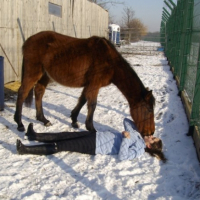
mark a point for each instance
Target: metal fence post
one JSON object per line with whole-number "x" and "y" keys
{"x": 1, "y": 83}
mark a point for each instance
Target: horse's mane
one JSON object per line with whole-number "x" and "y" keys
{"x": 126, "y": 65}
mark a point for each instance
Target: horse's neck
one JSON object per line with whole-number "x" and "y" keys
{"x": 129, "y": 84}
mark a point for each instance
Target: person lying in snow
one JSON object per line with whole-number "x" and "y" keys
{"x": 128, "y": 145}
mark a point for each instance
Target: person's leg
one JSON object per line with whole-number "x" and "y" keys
{"x": 43, "y": 149}
{"x": 85, "y": 144}
{"x": 53, "y": 137}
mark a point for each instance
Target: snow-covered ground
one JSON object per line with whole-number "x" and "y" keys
{"x": 73, "y": 176}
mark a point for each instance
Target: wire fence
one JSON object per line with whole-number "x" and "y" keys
{"x": 180, "y": 36}
{"x": 145, "y": 48}
{"x": 148, "y": 45}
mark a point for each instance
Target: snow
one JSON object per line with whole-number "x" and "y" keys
{"x": 76, "y": 176}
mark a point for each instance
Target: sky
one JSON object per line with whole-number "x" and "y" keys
{"x": 148, "y": 11}
{"x": 73, "y": 176}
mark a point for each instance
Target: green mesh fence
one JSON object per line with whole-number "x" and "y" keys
{"x": 180, "y": 33}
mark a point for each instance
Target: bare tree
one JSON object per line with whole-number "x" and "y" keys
{"x": 128, "y": 16}
{"x": 132, "y": 28}
{"x": 106, "y": 3}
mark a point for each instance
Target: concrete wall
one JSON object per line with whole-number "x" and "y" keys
{"x": 20, "y": 19}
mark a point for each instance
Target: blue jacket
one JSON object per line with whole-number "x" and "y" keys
{"x": 108, "y": 143}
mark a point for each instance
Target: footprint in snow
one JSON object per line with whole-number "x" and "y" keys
{"x": 171, "y": 118}
{"x": 159, "y": 116}
{"x": 161, "y": 100}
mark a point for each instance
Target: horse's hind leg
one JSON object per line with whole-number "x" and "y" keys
{"x": 74, "y": 114}
{"x": 39, "y": 92}
{"x": 23, "y": 91}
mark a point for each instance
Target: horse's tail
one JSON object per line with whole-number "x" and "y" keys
{"x": 22, "y": 77}
{"x": 29, "y": 98}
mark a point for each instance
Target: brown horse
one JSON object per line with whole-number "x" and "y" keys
{"x": 89, "y": 63}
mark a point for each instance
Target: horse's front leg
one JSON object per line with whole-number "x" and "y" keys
{"x": 75, "y": 112}
{"x": 39, "y": 92}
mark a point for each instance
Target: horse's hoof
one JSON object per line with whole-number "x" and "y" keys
{"x": 48, "y": 124}
{"x": 89, "y": 128}
{"x": 92, "y": 130}
{"x": 75, "y": 125}
{"x": 21, "y": 128}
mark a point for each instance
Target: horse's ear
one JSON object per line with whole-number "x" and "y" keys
{"x": 148, "y": 96}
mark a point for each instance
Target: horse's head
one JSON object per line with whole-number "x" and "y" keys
{"x": 143, "y": 114}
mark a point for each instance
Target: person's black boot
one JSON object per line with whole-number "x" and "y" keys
{"x": 44, "y": 149}
{"x": 53, "y": 137}
{"x": 30, "y": 132}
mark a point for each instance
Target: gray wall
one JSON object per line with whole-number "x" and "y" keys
{"x": 20, "y": 19}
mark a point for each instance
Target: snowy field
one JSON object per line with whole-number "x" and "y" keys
{"x": 74, "y": 176}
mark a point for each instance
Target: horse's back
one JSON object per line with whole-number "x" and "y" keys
{"x": 39, "y": 43}
{"x": 70, "y": 61}
{"x": 48, "y": 36}
{"x": 80, "y": 62}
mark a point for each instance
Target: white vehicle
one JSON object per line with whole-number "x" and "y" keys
{"x": 114, "y": 34}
